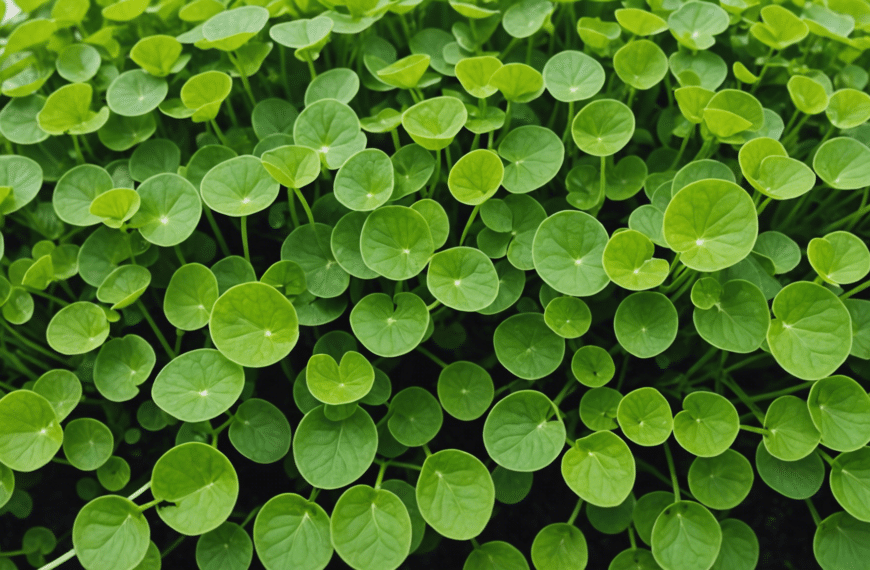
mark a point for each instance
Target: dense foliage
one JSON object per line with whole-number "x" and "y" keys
{"x": 426, "y": 284}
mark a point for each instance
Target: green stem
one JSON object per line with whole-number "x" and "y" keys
{"x": 759, "y": 431}
{"x": 434, "y": 305}
{"x": 381, "y": 472}
{"x": 219, "y": 133}
{"x": 396, "y": 142}
{"x": 245, "y": 239}
{"x": 58, "y": 561}
{"x": 219, "y": 236}
{"x": 631, "y": 538}
{"x": 566, "y": 391}
{"x": 683, "y": 146}
{"x": 432, "y": 357}
{"x": 305, "y": 207}
{"x": 468, "y": 224}
{"x": 828, "y": 459}
{"x": 437, "y": 174}
{"x": 855, "y": 290}
{"x": 169, "y": 352}
{"x": 180, "y": 255}
{"x": 852, "y": 218}
{"x": 575, "y": 512}
{"x": 701, "y": 361}
{"x": 314, "y": 492}
{"x": 813, "y": 512}
{"x": 32, "y": 345}
{"x": 603, "y": 178}
{"x": 783, "y": 392}
{"x": 311, "y": 69}
{"x": 763, "y": 205}
{"x": 179, "y": 334}
{"x": 763, "y": 71}
{"x": 80, "y": 158}
{"x": 674, "y": 481}
{"x": 138, "y": 492}
{"x": 426, "y": 450}
{"x": 12, "y": 553}
{"x": 732, "y": 385}
{"x": 400, "y": 464}
{"x": 148, "y": 505}
{"x": 566, "y": 134}
{"x": 44, "y": 295}
{"x": 250, "y": 516}
{"x": 245, "y": 83}
{"x": 283, "y": 62}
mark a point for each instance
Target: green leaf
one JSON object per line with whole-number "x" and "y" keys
{"x": 568, "y": 317}
{"x": 475, "y": 73}
{"x": 23, "y": 178}
{"x": 496, "y": 555}
{"x": 406, "y": 72}
{"x": 77, "y": 328}
{"x": 136, "y": 92}
{"x": 647, "y": 510}
{"x": 203, "y": 94}
{"x": 87, "y": 443}
{"x": 396, "y": 242}
{"x": 110, "y": 532}
{"x": 231, "y": 29}
{"x": 598, "y": 408}
{"x": 62, "y": 389}
{"x": 434, "y": 122}
{"x": 18, "y": 120}
{"x": 254, "y": 325}
{"x": 341, "y": 84}
{"x": 712, "y": 224}
{"x": 600, "y": 469}
{"x": 123, "y": 286}
{"x": 645, "y": 417}
{"x": 603, "y": 127}
{"x": 573, "y": 76}
{"x": 526, "y": 346}
{"x": 807, "y": 95}
{"x": 707, "y": 425}
{"x": 465, "y": 390}
{"x": 415, "y": 417}
{"x": 78, "y": 63}
{"x": 412, "y": 167}
{"x": 202, "y": 484}
{"x": 333, "y": 454}
{"x": 810, "y": 336}
{"x": 310, "y": 247}
{"x": 260, "y": 431}
{"x": 640, "y": 22}
{"x": 839, "y": 409}
{"x": 371, "y": 529}
{"x": 740, "y": 548}
{"x": 518, "y": 82}
{"x": 240, "y": 186}
{"x": 114, "y": 474}
{"x": 721, "y": 482}
{"x": 30, "y": 433}
{"x": 567, "y": 252}
{"x": 462, "y": 278}
{"x": 290, "y": 532}
{"x": 842, "y": 163}
{"x": 799, "y": 479}
{"x": 455, "y": 494}
{"x": 365, "y": 181}
{"x": 339, "y": 383}
{"x": 628, "y": 261}
{"x": 645, "y": 324}
{"x": 523, "y": 432}
{"x": 686, "y": 536}
{"x": 779, "y": 27}
{"x": 170, "y": 210}
{"x": 841, "y": 541}
{"x": 156, "y": 54}
{"x": 736, "y": 320}
{"x": 68, "y": 110}
{"x": 190, "y": 296}
{"x": 694, "y": 24}
{"x": 228, "y": 547}
{"x": 390, "y": 327}
{"x": 558, "y": 546}
{"x": 592, "y": 366}
{"x": 792, "y": 434}
{"x": 641, "y": 64}
{"x": 848, "y": 108}
{"x": 534, "y": 154}
{"x": 840, "y": 258}
{"x": 198, "y": 385}
{"x": 476, "y": 177}
{"x": 332, "y": 129}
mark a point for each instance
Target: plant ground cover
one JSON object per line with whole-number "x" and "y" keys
{"x": 268, "y": 267}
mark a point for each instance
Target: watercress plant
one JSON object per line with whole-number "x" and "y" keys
{"x": 425, "y": 284}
